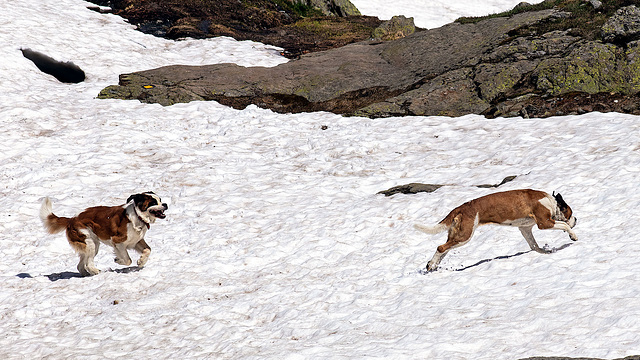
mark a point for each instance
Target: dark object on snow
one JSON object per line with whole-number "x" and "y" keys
{"x": 504, "y": 181}
{"x": 66, "y": 72}
{"x": 412, "y": 188}
{"x": 415, "y": 188}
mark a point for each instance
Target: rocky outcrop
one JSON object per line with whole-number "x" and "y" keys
{"x": 332, "y": 7}
{"x": 502, "y": 66}
{"x": 298, "y": 26}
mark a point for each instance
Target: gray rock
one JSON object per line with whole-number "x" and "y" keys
{"x": 395, "y": 28}
{"x": 521, "y": 5}
{"x": 596, "y": 4}
{"x": 623, "y": 26}
{"x": 332, "y": 7}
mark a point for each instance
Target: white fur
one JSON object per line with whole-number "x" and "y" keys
{"x": 46, "y": 209}
{"x": 435, "y": 229}
{"x": 86, "y": 265}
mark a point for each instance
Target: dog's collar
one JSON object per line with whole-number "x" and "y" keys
{"x": 144, "y": 222}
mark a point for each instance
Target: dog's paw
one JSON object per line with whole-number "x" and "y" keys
{"x": 125, "y": 262}
{"x": 573, "y": 236}
{"x": 144, "y": 257}
{"x": 90, "y": 271}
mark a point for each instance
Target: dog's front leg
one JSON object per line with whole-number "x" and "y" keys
{"x": 122, "y": 255}
{"x": 561, "y": 225}
{"x": 528, "y": 235}
{"x": 145, "y": 250}
{"x": 432, "y": 265}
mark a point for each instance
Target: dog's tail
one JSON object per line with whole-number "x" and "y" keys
{"x": 52, "y": 223}
{"x": 447, "y": 223}
{"x": 434, "y": 229}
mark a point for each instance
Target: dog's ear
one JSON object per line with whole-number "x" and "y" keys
{"x": 561, "y": 203}
{"x": 136, "y": 198}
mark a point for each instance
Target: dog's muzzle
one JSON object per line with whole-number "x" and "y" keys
{"x": 159, "y": 211}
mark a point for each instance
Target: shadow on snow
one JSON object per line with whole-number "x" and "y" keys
{"x": 66, "y": 275}
{"x": 425, "y": 272}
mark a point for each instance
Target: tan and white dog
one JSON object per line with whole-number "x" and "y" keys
{"x": 122, "y": 227}
{"x": 520, "y": 208}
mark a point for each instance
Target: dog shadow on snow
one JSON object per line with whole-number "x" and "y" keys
{"x": 509, "y": 256}
{"x": 66, "y": 275}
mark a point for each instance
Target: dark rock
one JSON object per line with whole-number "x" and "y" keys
{"x": 66, "y": 72}
{"x": 504, "y": 181}
{"x": 414, "y": 188}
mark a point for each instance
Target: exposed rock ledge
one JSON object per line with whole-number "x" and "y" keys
{"x": 497, "y": 67}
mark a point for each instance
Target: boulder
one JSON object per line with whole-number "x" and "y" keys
{"x": 395, "y": 28}
{"x": 332, "y": 7}
{"x": 623, "y": 26}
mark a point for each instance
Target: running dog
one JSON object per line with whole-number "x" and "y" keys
{"x": 519, "y": 208}
{"x": 122, "y": 227}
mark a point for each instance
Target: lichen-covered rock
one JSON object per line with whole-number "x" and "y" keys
{"x": 451, "y": 94}
{"x": 332, "y": 7}
{"x": 623, "y": 26}
{"x": 591, "y": 67}
{"x": 395, "y": 28}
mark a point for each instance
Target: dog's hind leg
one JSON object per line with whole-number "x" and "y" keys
{"x": 93, "y": 244}
{"x": 145, "y": 250}
{"x": 528, "y": 235}
{"x": 86, "y": 266}
{"x": 460, "y": 233}
{"x": 81, "y": 240}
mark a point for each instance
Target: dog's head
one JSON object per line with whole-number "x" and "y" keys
{"x": 566, "y": 214}
{"x": 148, "y": 206}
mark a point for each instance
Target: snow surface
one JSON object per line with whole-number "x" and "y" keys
{"x": 434, "y": 13}
{"x": 276, "y": 244}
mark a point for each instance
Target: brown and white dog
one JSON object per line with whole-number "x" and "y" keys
{"x": 122, "y": 227}
{"x": 520, "y": 208}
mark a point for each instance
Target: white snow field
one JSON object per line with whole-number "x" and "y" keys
{"x": 434, "y": 13}
{"x": 276, "y": 245}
